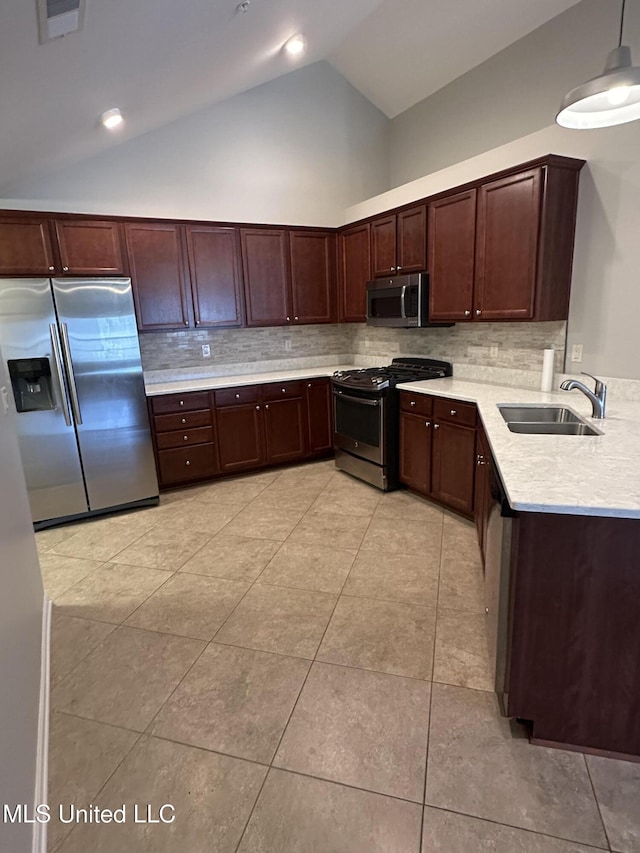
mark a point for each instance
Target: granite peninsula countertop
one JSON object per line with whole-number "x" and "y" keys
{"x": 210, "y": 383}
{"x": 576, "y": 475}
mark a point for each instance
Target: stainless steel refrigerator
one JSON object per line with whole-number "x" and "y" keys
{"x": 72, "y": 353}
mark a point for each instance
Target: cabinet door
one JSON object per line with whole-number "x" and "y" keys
{"x": 240, "y": 437}
{"x": 25, "y": 247}
{"x": 266, "y": 276}
{"x": 355, "y": 272}
{"x": 90, "y": 247}
{"x": 507, "y": 245}
{"x": 313, "y": 276}
{"x": 482, "y": 494}
{"x": 411, "y": 253}
{"x": 214, "y": 265}
{"x": 452, "y": 228}
{"x": 454, "y": 466}
{"x": 383, "y": 246}
{"x": 284, "y": 422}
{"x": 158, "y": 275}
{"x": 415, "y": 452}
{"x": 320, "y": 418}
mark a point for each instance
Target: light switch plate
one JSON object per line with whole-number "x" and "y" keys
{"x": 206, "y": 350}
{"x": 576, "y": 353}
{"x": 493, "y": 351}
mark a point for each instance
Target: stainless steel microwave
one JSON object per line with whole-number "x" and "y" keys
{"x": 401, "y": 301}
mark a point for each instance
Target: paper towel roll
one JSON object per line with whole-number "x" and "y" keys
{"x": 546, "y": 381}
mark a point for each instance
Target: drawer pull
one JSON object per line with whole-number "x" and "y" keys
{"x": 183, "y": 420}
{"x": 453, "y": 412}
{"x": 186, "y": 437}
{"x": 436, "y": 426}
{"x": 257, "y": 408}
{"x": 427, "y": 423}
{"x": 237, "y": 396}
{"x": 284, "y": 390}
{"x": 182, "y": 402}
{"x": 187, "y": 462}
{"x": 413, "y": 402}
{"x": 267, "y": 406}
{"x": 308, "y": 385}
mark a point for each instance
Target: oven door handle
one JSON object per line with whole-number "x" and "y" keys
{"x": 361, "y": 400}
{"x": 403, "y": 298}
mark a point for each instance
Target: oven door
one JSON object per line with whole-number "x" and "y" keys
{"x": 394, "y": 302}
{"x": 359, "y": 425}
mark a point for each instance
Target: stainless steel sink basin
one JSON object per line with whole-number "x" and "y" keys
{"x": 550, "y": 428}
{"x": 539, "y": 414}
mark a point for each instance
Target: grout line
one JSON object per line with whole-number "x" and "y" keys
{"x": 595, "y": 796}
{"x": 433, "y": 664}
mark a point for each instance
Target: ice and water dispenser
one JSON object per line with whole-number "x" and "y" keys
{"x": 32, "y": 384}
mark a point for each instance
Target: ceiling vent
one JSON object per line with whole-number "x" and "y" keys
{"x": 58, "y": 18}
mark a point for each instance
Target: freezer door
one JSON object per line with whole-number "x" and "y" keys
{"x": 48, "y": 445}
{"x": 102, "y": 360}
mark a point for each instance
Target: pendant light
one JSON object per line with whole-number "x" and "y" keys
{"x": 612, "y": 98}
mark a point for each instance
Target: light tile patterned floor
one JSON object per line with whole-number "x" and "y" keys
{"x": 296, "y": 662}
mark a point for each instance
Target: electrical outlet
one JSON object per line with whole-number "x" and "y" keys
{"x": 493, "y": 352}
{"x": 576, "y": 353}
{"x": 287, "y": 345}
{"x": 206, "y": 350}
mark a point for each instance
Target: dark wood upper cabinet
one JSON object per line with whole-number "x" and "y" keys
{"x": 452, "y": 234}
{"x": 383, "y": 246}
{"x": 354, "y": 273}
{"x": 411, "y": 252}
{"x": 25, "y": 247}
{"x": 158, "y": 274}
{"x": 313, "y": 276}
{"x": 507, "y": 245}
{"x": 90, "y": 247}
{"x": 216, "y": 280}
{"x": 266, "y": 276}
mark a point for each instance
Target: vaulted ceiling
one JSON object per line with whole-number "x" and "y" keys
{"x": 159, "y": 60}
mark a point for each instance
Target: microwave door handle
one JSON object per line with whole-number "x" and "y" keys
{"x": 403, "y": 297}
{"x": 57, "y": 361}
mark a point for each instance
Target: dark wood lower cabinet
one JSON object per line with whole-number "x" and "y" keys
{"x": 415, "y": 452}
{"x": 183, "y": 428}
{"x": 284, "y": 422}
{"x": 241, "y": 443}
{"x": 453, "y": 471}
{"x": 482, "y": 489}
{"x": 186, "y": 465}
{"x": 320, "y": 417}
{"x": 573, "y": 667}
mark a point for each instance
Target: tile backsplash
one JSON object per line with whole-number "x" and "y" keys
{"x": 518, "y": 357}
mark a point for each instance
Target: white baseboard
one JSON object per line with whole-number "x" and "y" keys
{"x": 39, "y": 844}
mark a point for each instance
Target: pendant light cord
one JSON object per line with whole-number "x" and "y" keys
{"x": 621, "y": 23}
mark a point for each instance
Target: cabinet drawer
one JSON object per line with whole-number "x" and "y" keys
{"x": 187, "y": 463}
{"x": 184, "y": 438}
{"x": 281, "y": 390}
{"x": 237, "y": 396}
{"x": 454, "y": 411}
{"x": 419, "y": 404}
{"x": 168, "y": 403}
{"x": 183, "y": 420}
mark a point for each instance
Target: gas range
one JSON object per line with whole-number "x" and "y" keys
{"x": 366, "y": 416}
{"x": 400, "y": 370}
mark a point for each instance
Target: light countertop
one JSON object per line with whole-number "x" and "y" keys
{"x": 572, "y": 474}
{"x": 209, "y": 383}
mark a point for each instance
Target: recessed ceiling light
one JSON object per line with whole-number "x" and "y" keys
{"x": 112, "y": 118}
{"x": 296, "y": 45}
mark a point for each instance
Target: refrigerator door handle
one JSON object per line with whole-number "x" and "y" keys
{"x": 73, "y": 391}
{"x": 57, "y": 360}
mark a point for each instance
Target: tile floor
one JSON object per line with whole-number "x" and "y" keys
{"x": 296, "y": 662}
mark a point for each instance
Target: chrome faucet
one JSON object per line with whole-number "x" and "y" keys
{"x": 598, "y": 398}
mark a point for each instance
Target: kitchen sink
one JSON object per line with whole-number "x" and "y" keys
{"x": 551, "y": 428}
{"x": 539, "y": 414}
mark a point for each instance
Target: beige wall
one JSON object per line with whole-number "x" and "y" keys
{"x": 20, "y": 636}
{"x": 512, "y": 94}
{"x": 296, "y": 150}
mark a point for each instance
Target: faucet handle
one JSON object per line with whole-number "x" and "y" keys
{"x": 599, "y": 383}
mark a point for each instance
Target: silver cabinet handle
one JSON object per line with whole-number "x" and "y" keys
{"x": 478, "y": 312}
{"x": 288, "y": 319}
{"x": 480, "y": 460}
{"x": 467, "y": 313}
{"x": 237, "y": 396}
{"x": 182, "y": 402}
{"x": 186, "y": 437}
{"x": 73, "y": 391}
{"x": 51, "y": 269}
{"x": 436, "y": 426}
{"x": 413, "y": 402}
{"x": 257, "y": 408}
{"x": 393, "y": 269}
{"x": 267, "y": 406}
{"x": 398, "y": 269}
{"x": 284, "y": 390}
{"x": 295, "y": 318}
{"x": 187, "y": 462}
{"x": 57, "y": 361}
{"x": 186, "y": 322}
{"x": 183, "y": 420}
{"x": 453, "y": 412}
{"x": 65, "y": 269}
{"x": 427, "y": 423}
{"x": 308, "y": 385}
